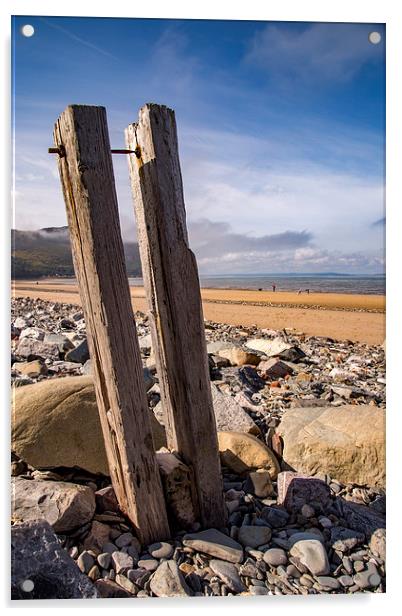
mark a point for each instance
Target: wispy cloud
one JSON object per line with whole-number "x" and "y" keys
{"x": 330, "y": 52}
{"x": 78, "y": 39}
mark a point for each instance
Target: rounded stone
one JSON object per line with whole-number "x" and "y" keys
{"x": 124, "y": 540}
{"x": 150, "y": 564}
{"x": 275, "y": 557}
{"x": 161, "y": 550}
{"x": 312, "y": 555}
{"x": 254, "y": 536}
{"x": 105, "y": 559}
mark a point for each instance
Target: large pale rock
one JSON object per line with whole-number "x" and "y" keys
{"x": 345, "y": 442}
{"x": 65, "y": 506}
{"x": 56, "y": 423}
{"x": 244, "y": 452}
{"x": 37, "y": 555}
{"x": 230, "y": 415}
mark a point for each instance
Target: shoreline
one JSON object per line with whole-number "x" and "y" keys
{"x": 340, "y": 316}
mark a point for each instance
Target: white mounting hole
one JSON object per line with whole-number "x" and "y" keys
{"x": 374, "y": 38}
{"x": 27, "y": 586}
{"x": 27, "y": 30}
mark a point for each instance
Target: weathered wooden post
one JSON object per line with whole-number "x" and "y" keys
{"x": 172, "y": 288}
{"x": 86, "y": 172}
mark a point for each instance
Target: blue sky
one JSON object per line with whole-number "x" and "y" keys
{"x": 281, "y": 131}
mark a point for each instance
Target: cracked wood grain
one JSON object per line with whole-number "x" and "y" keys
{"x": 87, "y": 179}
{"x": 172, "y": 289}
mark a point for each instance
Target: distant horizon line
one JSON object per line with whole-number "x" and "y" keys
{"x": 294, "y": 275}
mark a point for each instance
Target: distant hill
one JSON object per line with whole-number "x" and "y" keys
{"x": 47, "y": 252}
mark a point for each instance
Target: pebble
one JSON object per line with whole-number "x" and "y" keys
{"x": 161, "y": 550}
{"x": 312, "y": 554}
{"x": 229, "y": 574}
{"x": 105, "y": 559}
{"x": 369, "y": 578}
{"x": 346, "y": 580}
{"x": 259, "y": 590}
{"x": 148, "y": 563}
{"x": 254, "y": 536}
{"x": 270, "y": 565}
{"x": 85, "y": 561}
{"x": 124, "y": 540}
{"x": 215, "y": 543}
{"x": 275, "y": 557}
{"x": 125, "y": 583}
{"x": 328, "y": 582}
{"x": 122, "y": 561}
{"x": 109, "y": 547}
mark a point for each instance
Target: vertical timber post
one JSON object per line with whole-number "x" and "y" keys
{"x": 86, "y": 172}
{"x": 173, "y": 292}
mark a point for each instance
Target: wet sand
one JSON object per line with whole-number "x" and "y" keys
{"x": 340, "y": 316}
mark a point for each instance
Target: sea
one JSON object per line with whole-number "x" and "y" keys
{"x": 328, "y": 283}
{"x": 364, "y": 285}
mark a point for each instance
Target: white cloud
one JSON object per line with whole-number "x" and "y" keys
{"x": 241, "y": 193}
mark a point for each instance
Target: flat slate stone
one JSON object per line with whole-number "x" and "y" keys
{"x": 168, "y": 581}
{"x": 228, "y": 573}
{"x": 215, "y": 543}
{"x": 361, "y": 518}
{"x": 36, "y": 555}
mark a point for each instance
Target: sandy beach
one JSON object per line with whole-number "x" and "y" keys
{"x": 340, "y": 316}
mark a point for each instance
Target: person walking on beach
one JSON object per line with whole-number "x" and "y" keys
{"x": 273, "y": 287}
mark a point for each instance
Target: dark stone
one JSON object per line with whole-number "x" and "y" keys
{"x": 249, "y": 377}
{"x": 106, "y": 500}
{"x": 294, "y": 354}
{"x": 275, "y": 517}
{"x": 80, "y": 354}
{"x": 344, "y": 539}
{"x": 379, "y": 504}
{"x": 361, "y": 518}
{"x": 148, "y": 378}
{"x": 37, "y": 555}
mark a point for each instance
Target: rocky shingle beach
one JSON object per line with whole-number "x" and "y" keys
{"x": 301, "y": 431}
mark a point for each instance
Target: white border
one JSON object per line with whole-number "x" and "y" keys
{"x": 378, "y": 11}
